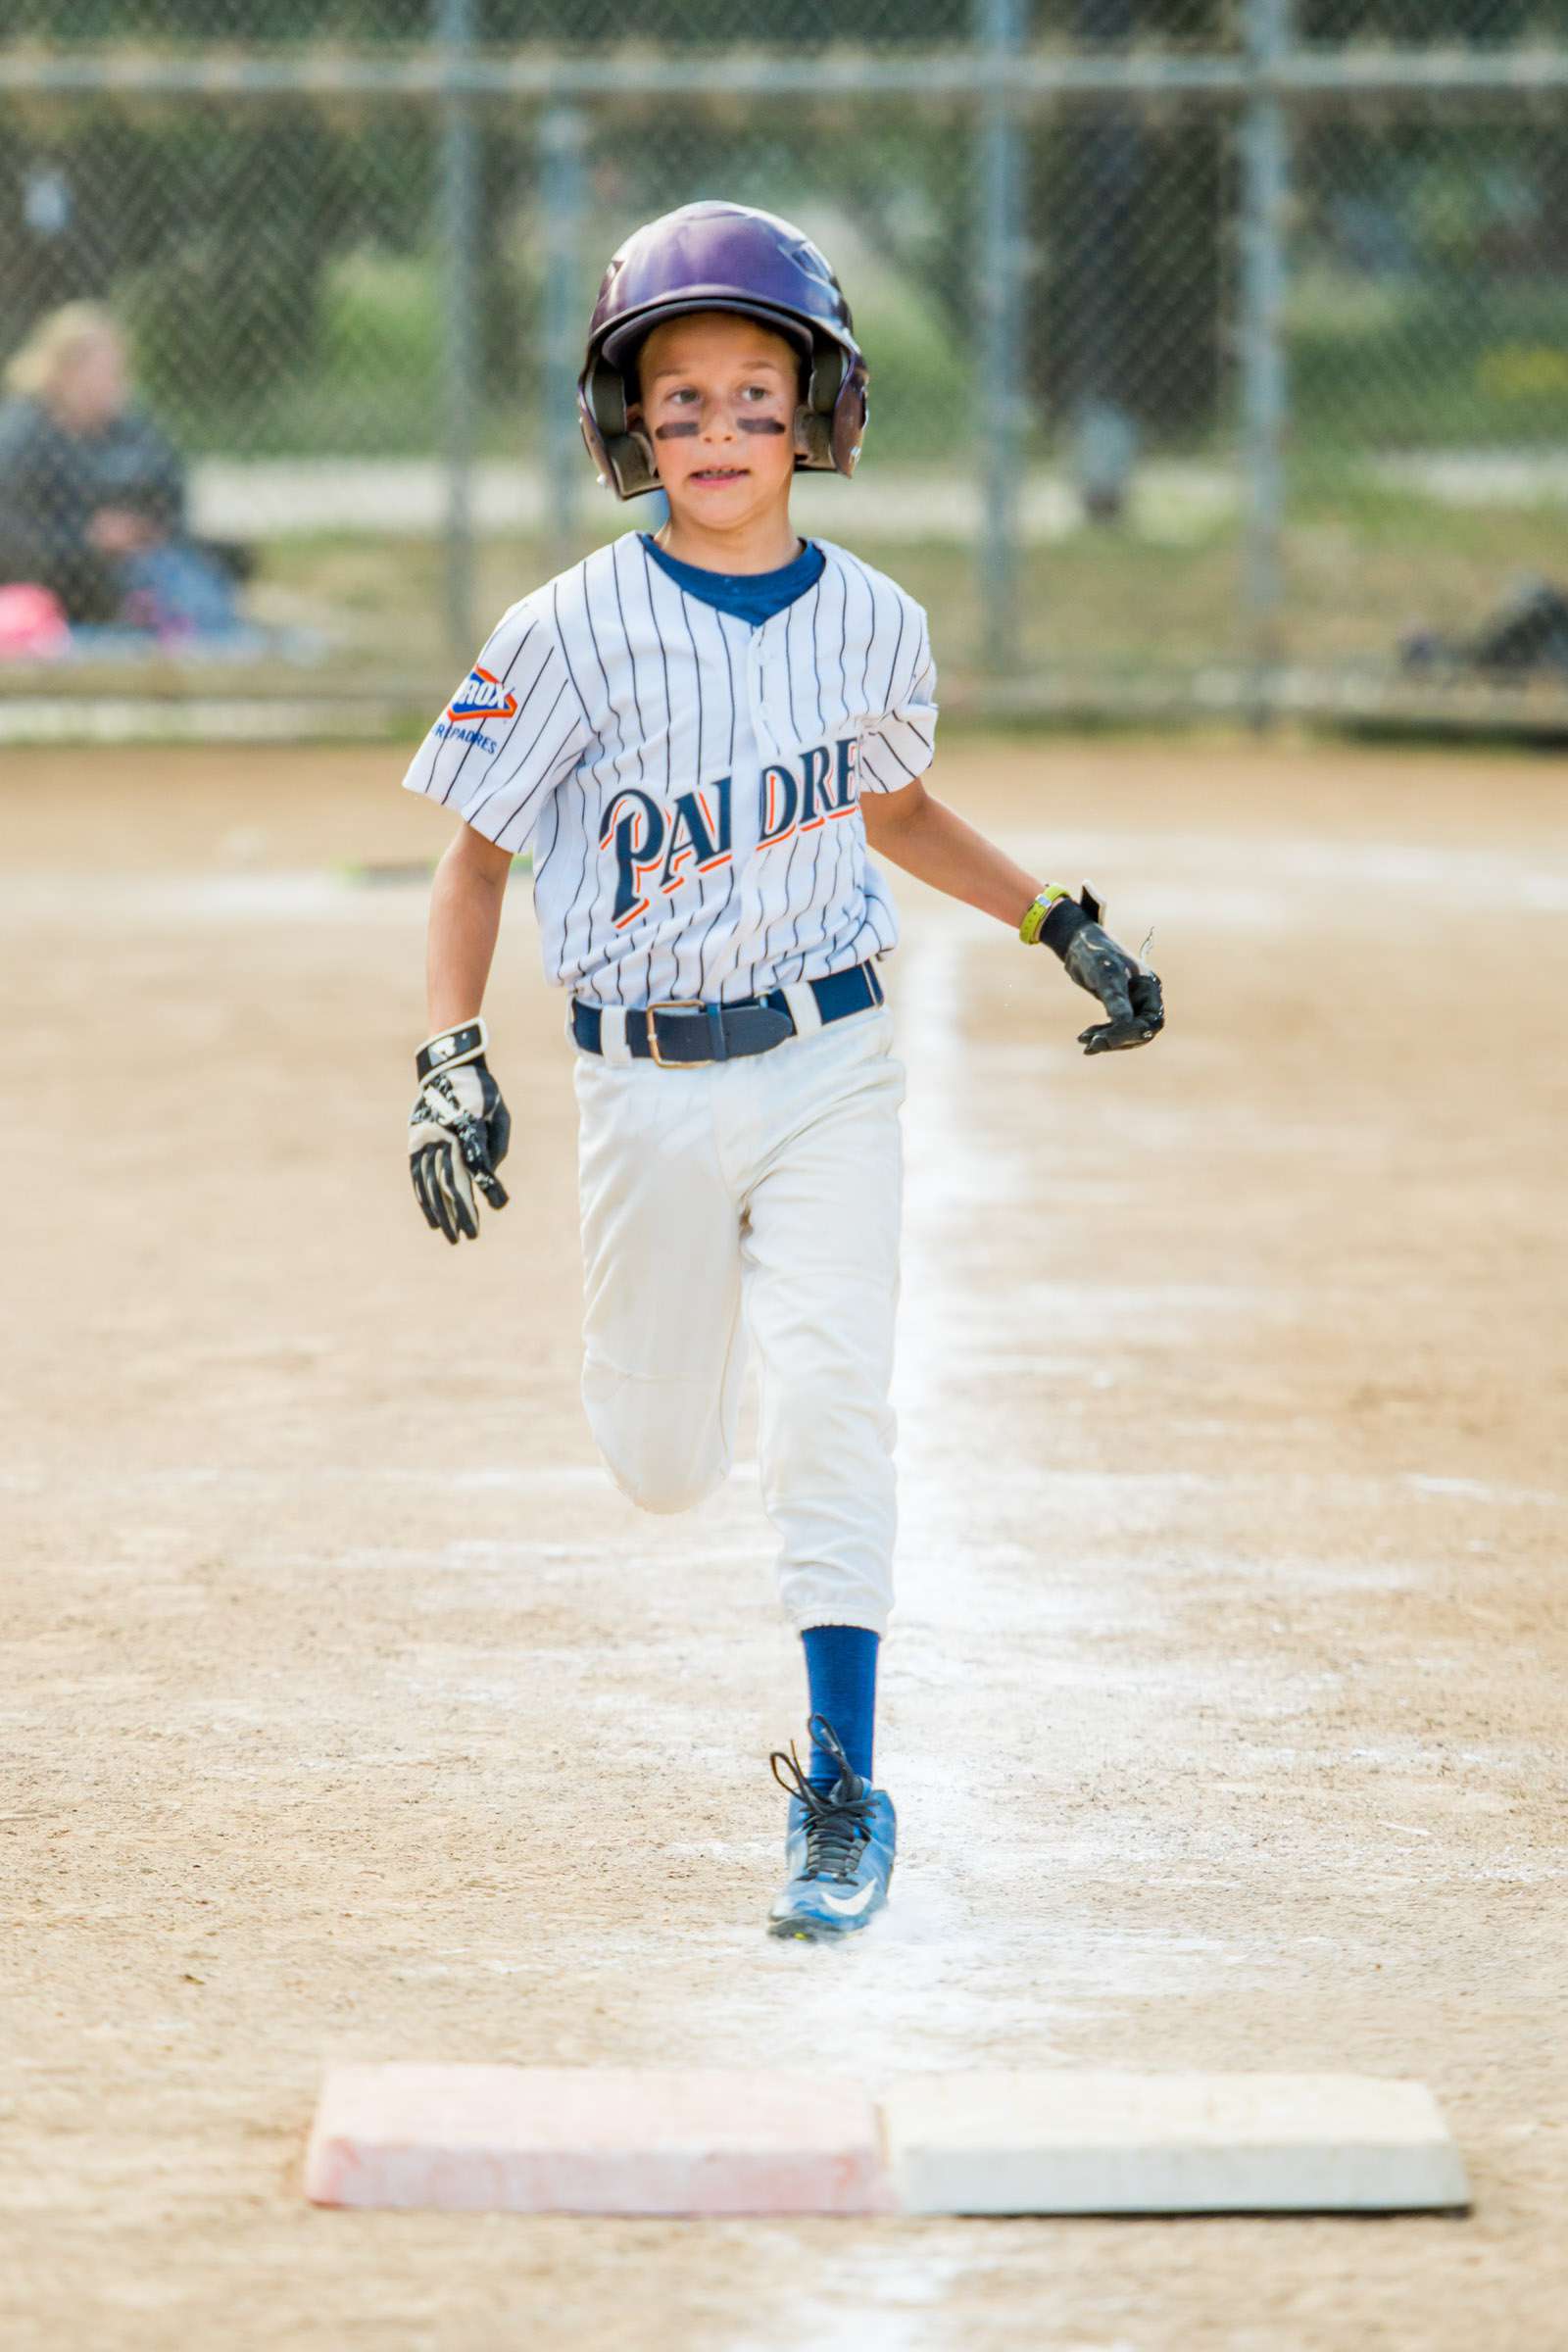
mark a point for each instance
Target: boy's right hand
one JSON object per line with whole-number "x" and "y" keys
{"x": 459, "y": 1130}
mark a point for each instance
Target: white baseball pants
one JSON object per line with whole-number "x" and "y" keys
{"x": 760, "y": 1198}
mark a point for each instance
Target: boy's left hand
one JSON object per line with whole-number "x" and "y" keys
{"x": 1129, "y": 991}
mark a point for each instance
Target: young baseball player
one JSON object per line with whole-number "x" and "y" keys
{"x": 701, "y": 733}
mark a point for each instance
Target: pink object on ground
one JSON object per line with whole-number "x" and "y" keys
{"x": 32, "y": 623}
{"x": 592, "y": 2139}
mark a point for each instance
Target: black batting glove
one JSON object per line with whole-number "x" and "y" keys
{"x": 459, "y": 1130}
{"x": 1131, "y": 994}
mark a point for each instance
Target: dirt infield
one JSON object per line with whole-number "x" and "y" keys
{"x": 350, "y": 1713}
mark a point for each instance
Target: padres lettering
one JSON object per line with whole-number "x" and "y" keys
{"x": 694, "y": 834}
{"x": 648, "y": 836}
{"x": 788, "y": 802}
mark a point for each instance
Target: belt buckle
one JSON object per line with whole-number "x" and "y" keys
{"x": 673, "y": 1004}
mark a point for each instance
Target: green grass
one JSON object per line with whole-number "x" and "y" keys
{"x": 374, "y": 383}
{"x": 1373, "y": 365}
{"x": 376, "y": 389}
{"x": 1360, "y": 570}
{"x": 1437, "y": 364}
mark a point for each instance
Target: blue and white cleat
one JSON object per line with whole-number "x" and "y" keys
{"x": 838, "y": 1851}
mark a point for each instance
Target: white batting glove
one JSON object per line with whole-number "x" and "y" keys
{"x": 459, "y": 1130}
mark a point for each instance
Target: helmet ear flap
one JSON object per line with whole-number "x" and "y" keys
{"x": 593, "y": 440}
{"x": 830, "y": 426}
{"x": 850, "y": 412}
{"x": 620, "y": 450}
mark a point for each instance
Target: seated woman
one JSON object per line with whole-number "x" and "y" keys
{"x": 92, "y": 493}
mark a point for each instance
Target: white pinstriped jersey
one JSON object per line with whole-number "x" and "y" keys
{"x": 690, "y": 782}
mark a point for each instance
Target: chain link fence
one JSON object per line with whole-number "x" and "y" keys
{"x": 1219, "y": 348}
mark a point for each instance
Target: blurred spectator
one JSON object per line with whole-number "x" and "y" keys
{"x": 92, "y": 493}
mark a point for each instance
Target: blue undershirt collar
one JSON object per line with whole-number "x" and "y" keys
{"x": 753, "y": 596}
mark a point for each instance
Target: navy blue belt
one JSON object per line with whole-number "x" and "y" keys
{"x": 684, "y": 1034}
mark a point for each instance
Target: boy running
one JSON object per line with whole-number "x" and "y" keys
{"x": 700, "y": 732}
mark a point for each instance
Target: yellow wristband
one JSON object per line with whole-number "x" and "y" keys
{"x": 1051, "y": 896}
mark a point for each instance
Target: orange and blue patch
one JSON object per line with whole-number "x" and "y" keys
{"x": 482, "y": 695}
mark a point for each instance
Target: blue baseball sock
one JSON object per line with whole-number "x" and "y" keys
{"x": 841, "y": 1671}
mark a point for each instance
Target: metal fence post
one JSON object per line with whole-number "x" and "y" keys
{"x": 998, "y": 28}
{"x": 460, "y": 211}
{"x": 561, "y": 193}
{"x": 1265, "y": 171}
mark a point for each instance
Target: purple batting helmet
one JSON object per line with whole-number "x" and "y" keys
{"x": 720, "y": 257}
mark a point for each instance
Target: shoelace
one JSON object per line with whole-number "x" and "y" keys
{"x": 835, "y": 1826}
